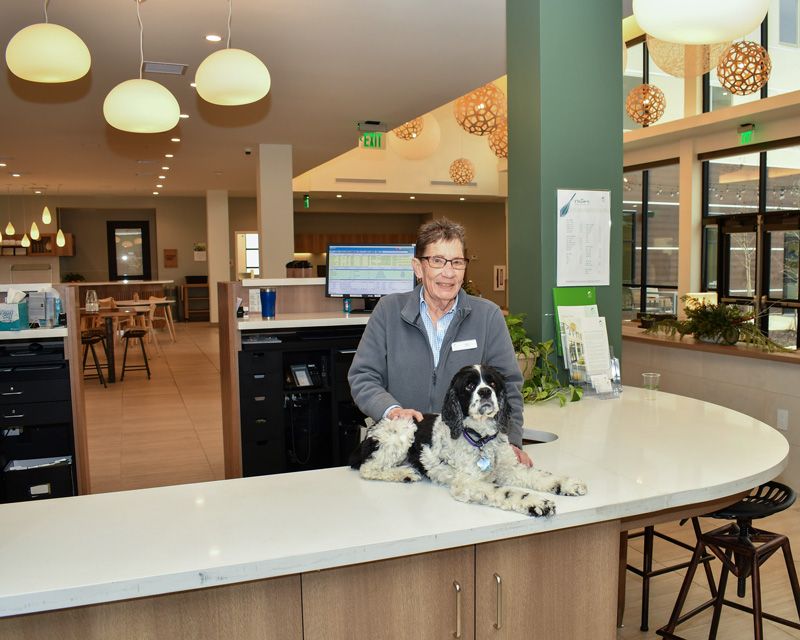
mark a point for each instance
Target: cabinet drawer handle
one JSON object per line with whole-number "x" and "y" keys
{"x": 457, "y": 587}
{"x": 12, "y": 393}
{"x": 499, "y": 624}
{"x": 14, "y": 415}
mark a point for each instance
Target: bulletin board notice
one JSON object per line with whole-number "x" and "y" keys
{"x": 584, "y": 237}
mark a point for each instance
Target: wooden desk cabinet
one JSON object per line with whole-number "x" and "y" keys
{"x": 196, "y": 305}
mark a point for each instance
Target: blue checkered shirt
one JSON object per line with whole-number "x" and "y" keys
{"x": 435, "y": 334}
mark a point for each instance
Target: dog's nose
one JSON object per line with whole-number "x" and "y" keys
{"x": 484, "y": 392}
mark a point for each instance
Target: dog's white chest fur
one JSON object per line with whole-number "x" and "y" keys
{"x": 479, "y": 467}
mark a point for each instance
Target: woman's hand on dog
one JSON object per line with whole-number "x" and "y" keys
{"x": 522, "y": 457}
{"x": 399, "y": 412}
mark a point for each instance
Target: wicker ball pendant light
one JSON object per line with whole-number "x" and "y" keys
{"x": 498, "y": 139}
{"x": 645, "y": 104}
{"x": 410, "y": 130}
{"x": 479, "y": 111}
{"x": 744, "y": 68}
{"x": 462, "y": 171}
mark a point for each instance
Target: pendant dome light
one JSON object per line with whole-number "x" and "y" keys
{"x": 232, "y": 77}
{"x": 10, "y": 230}
{"x": 692, "y": 22}
{"x": 48, "y": 53}
{"x": 60, "y": 239}
{"x": 46, "y": 217}
{"x": 139, "y": 105}
{"x": 35, "y": 235}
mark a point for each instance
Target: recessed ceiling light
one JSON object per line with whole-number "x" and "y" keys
{"x": 192, "y": 84}
{"x": 16, "y": 175}
{"x": 213, "y": 37}
{"x": 338, "y": 195}
{"x": 462, "y": 198}
{"x": 159, "y": 186}
{"x": 184, "y": 116}
{"x": 162, "y": 177}
{"x": 155, "y": 193}
{"x": 3, "y": 164}
{"x": 165, "y": 168}
{"x": 412, "y": 197}
{"x": 174, "y": 139}
{"x": 168, "y": 155}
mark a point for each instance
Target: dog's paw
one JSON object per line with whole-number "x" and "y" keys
{"x": 572, "y": 487}
{"x": 528, "y": 503}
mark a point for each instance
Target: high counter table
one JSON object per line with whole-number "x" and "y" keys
{"x": 638, "y": 458}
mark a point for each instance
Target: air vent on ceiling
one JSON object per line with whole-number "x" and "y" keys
{"x": 170, "y": 68}
{"x": 450, "y": 183}
{"x": 372, "y": 125}
{"x": 363, "y": 180}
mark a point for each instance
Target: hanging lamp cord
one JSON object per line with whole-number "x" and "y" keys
{"x": 230, "y": 10}
{"x": 141, "y": 38}
{"x": 46, "y": 2}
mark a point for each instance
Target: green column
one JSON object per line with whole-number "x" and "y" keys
{"x": 564, "y": 61}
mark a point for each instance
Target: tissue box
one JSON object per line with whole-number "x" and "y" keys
{"x": 13, "y": 316}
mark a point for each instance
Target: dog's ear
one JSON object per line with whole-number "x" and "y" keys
{"x": 451, "y": 413}
{"x": 503, "y": 417}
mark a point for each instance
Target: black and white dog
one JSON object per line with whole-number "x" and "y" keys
{"x": 466, "y": 448}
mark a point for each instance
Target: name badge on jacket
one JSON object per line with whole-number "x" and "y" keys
{"x": 463, "y": 345}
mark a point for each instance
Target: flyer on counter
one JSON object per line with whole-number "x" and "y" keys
{"x": 584, "y": 237}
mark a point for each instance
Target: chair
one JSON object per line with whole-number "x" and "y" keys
{"x": 136, "y": 333}
{"x": 163, "y": 314}
{"x": 742, "y": 549}
{"x": 646, "y": 573}
{"x": 89, "y": 338}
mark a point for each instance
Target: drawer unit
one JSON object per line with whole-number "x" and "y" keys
{"x": 36, "y": 432}
{"x": 55, "y": 479}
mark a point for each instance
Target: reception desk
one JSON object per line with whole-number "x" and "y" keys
{"x": 325, "y": 554}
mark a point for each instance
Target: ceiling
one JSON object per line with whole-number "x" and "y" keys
{"x": 332, "y": 64}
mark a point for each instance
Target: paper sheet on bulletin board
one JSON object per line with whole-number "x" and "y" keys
{"x": 583, "y": 237}
{"x": 570, "y": 297}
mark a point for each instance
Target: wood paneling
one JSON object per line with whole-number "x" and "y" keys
{"x": 263, "y": 610}
{"x": 318, "y": 242}
{"x": 230, "y": 343}
{"x": 561, "y": 584}
{"x": 411, "y": 597}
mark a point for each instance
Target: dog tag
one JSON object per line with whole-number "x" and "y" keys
{"x": 484, "y": 464}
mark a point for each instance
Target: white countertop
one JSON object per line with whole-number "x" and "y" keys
{"x": 637, "y": 456}
{"x": 304, "y": 320}
{"x": 34, "y": 334}
{"x": 110, "y": 282}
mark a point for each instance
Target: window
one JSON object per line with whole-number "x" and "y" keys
{"x": 787, "y": 23}
{"x": 752, "y": 236}
{"x": 633, "y": 77}
{"x": 251, "y": 253}
{"x": 650, "y": 242}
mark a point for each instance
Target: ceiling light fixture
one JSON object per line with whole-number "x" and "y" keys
{"x": 155, "y": 193}
{"x": 159, "y": 186}
{"x": 48, "y": 53}
{"x": 34, "y": 231}
{"x": 165, "y": 168}
{"x": 184, "y": 115}
{"x": 168, "y": 155}
{"x": 692, "y": 22}
{"x": 462, "y": 171}
{"x": 230, "y": 77}
{"x": 16, "y": 175}
{"x": 46, "y": 217}
{"x": 162, "y": 177}
{"x": 338, "y": 195}
{"x": 174, "y": 139}
{"x": 139, "y": 105}
{"x": 213, "y": 37}
{"x": 412, "y": 197}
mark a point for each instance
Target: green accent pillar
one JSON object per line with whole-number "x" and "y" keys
{"x": 564, "y": 61}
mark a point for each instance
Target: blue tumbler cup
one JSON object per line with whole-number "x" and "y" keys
{"x": 268, "y": 296}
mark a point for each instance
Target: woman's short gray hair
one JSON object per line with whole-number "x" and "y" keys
{"x": 439, "y": 230}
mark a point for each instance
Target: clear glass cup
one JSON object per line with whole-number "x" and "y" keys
{"x": 92, "y": 305}
{"x": 650, "y": 385}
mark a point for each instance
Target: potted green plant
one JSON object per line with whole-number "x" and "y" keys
{"x": 718, "y": 324}
{"x": 540, "y": 375}
{"x": 73, "y": 277}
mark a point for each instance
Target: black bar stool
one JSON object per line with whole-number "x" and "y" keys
{"x": 128, "y": 335}
{"x": 742, "y": 549}
{"x": 89, "y": 338}
{"x": 646, "y": 573}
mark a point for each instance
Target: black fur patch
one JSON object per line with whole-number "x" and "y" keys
{"x": 363, "y": 452}
{"x": 423, "y": 437}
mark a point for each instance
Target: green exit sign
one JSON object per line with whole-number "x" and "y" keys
{"x": 372, "y": 140}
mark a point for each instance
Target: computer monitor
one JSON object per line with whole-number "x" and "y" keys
{"x": 369, "y": 271}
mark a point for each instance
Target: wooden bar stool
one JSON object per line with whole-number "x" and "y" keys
{"x": 89, "y": 338}
{"x": 127, "y": 336}
{"x": 742, "y": 549}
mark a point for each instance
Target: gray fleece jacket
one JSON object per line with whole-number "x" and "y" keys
{"x": 394, "y": 363}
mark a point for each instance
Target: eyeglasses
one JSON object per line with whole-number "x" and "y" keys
{"x": 438, "y": 262}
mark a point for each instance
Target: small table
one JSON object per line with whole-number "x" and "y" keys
{"x": 141, "y": 304}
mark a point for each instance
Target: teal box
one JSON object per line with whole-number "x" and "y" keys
{"x": 14, "y": 317}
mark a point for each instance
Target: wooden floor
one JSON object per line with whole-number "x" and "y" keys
{"x": 168, "y": 430}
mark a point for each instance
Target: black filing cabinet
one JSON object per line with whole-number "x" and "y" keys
{"x": 37, "y": 449}
{"x": 296, "y": 408}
